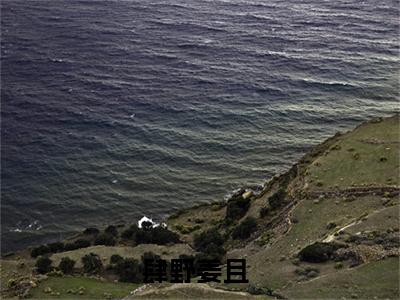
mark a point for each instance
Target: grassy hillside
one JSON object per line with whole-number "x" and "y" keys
{"x": 346, "y": 187}
{"x": 327, "y": 228}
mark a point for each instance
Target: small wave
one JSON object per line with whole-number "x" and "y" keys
{"x": 25, "y": 225}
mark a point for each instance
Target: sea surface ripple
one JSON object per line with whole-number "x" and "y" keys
{"x": 116, "y": 109}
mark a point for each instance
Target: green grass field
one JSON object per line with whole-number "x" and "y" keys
{"x": 378, "y": 279}
{"x": 93, "y": 288}
{"x": 366, "y": 156}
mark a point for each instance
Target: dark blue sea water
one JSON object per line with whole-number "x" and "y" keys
{"x": 116, "y": 109}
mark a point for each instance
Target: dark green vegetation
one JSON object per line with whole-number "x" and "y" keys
{"x": 333, "y": 212}
{"x": 43, "y": 265}
{"x": 237, "y": 207}
{"x": 92, "y": 263}
{"x": 80, "y": 288}
{"x": 318, "y": 252}
{"x": 245, "y": 228}
{"x": 327, "y": 228}
{"x": 66, "y": 265}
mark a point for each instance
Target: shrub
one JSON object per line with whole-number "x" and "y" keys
{"x": 115, "y": 258}
{"x": 214, "y": 252}
{"x": 257, "y": 290}
{"x": 236, "y": 208}
{"x": 264, "y": 211}
{"x": 147, "y": 225}
{"x": 80, "y": 243}
{"x": 211, "y": 236}
{"x": 41, "y": 250}
{"x": 150, "y": 255}
{"x": 66, "y": 265}
{"x": 112, "y": 230}
{"x": 105, "y": 239}
{"x": 130, "y": 232}
{"x": 157, "y": 235}
{"x": 317, "y": 252}
{"x": 43, "y": 264}
{"x": 339, "y": 265}
{"x": 277, "y": 199}
{"x": 129, "y": 270}
{"x": 244, "y": 229}
{"x": 308, "y": 272}
{"x": 91, "y": 231}
{"x": 91, "y": 263}
{"x": 331, "y": 225}
{"x": 56, "y": 247}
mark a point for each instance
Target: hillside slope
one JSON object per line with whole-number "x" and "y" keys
{"x": 327, "y": 228}
{"x": 343, "y": 193}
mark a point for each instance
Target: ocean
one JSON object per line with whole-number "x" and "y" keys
{"x": 112, "y": 110}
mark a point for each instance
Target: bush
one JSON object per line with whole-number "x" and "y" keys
{"x": 112, "y": 230}
{"x": 105, "y": 239}
{"x": 214, "y": 252}
{"x": 56, "y": 247}
{"x": 257, "y": 290}
{"x": 264, "y": 211}
{"x": 277, "y": 199}
{"x": 129, "y": 270}
{"x": 317, "y": 252}
{"x": 211, "y": 236}
{"x": 43, "y": 264}
{"x": 91, "y": 231}
{"x": 308, "y": 272}
{"x": 150, "y": 255}
{"x": 236, "y": 208}
{"x": 245, "y": 228}
{"x": 157, "y": 235}
{"x": 41, "y": 250}
{"x": 339, "y": 265}
{"x": 130, "y": 232}
{"x": 115, "y": 258}
{"x": 80, "y": 243}
{"x": 66, "y": 265}
{"x": 91, "y": 263}
{"x": 147, "y": 225}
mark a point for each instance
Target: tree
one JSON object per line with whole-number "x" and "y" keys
{"x": 43, "y": 264}
{"x": 157, "y": 235}
{"x": 41, "y": 250}
{"x": 150, "y": 255}
{"x": 129, "y": 270}
{"x": 276, "y": 200}
{"x": 115, "y": 258}
{"x": 105, "y": 239}
{"x": 92, "y": 263}
{"x": 130, "y": 232}
{"x": 79, "y": 243}
{"x": 91, "y": 231}
{"x": 211, "y": 236}
{"x": 264, "y": 211}
{"x": 111, "y": 230}
{"x": 56, "y": 247}
{"x": 244, "y": 229}
{"x": 236, "y": 208}
{"x": 66, "y": 265}
{"x": 318, "y": 252}
{"x": 147, "y": 225}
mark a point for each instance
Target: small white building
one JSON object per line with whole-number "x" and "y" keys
{"x": 153, "y": 224}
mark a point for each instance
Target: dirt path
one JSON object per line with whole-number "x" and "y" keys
{"x": 356, "y": 191}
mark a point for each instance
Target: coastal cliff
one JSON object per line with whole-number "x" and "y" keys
{"x": 326, "y": 228}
